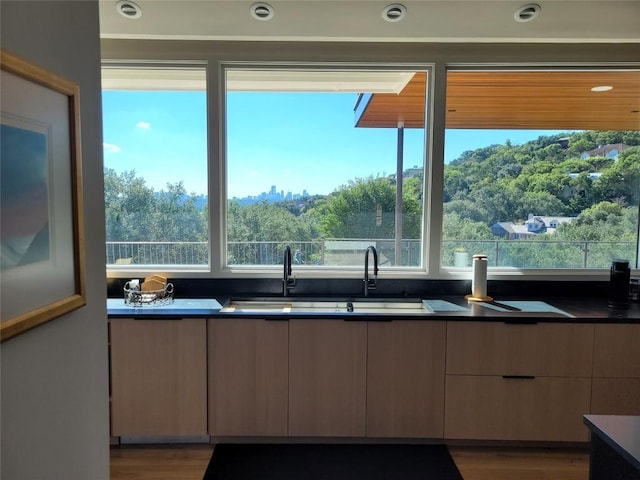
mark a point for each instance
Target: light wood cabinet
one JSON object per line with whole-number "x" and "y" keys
{"x": 497, "y": 348}
{"x": 616, "y": 370}
{"x": 327, "y": 378}
{"x": 474, "y": 380}
{"x": 405, "y": 379}
{"x": 497, "y": 408}
{"x": 518, "y": 381}
{"x": 158, "y": 377}
{"x": 248, "y": 377}
{"x": 616, "y": 351}
{"x": 615, "y": 396}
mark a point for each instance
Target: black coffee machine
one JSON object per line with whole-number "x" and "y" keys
{"x": 619, "y": 284}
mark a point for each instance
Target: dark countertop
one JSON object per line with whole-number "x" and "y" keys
{"x": 181, "y": 307}
{"x": 561, "y": 309}
{"x": 620, "y": 432}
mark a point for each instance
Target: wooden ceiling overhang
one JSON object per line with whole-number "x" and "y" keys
{"x": 555, "y": 100}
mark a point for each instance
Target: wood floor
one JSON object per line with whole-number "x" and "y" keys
{"x": 475, "y": 463}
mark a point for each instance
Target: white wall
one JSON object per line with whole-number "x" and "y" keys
{"x": 54, "y": 378}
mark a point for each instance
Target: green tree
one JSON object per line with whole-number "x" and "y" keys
{"x": 454, "y": 227}
{"x": 365, "y": 208}
{"x": 128, "y": 203}
{"x": 136, "y": 213}
{"x": 257, "y": 234}
{"x": 621, "y": 182}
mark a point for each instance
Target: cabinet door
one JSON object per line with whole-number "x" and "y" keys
{"x": 327, "y": 377}
{"x": 541, "y": 349}
{"x": 497, "y": 408}
{"x": 617, "y": 351}
{"x": 405, "y": 379}
{"x": 158, "y": 377}
{"x": 248, "y": 377}
{"x": 615, "y": 396}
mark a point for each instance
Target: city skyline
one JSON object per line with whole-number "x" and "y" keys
{"x": 271, "y": 196}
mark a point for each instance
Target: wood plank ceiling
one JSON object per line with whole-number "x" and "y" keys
{"x": 558, "y": 100}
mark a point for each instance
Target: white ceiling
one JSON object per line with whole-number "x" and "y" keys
{"x": 566, "y": 21}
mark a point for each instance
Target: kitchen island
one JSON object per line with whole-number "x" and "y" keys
{"x": 615, "y": 447}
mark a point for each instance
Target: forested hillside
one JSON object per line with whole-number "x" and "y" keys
{"x": 502, "y": 183}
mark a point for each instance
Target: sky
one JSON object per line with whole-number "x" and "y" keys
{"x": 293, "y": 141}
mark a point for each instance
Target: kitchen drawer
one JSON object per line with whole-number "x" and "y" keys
{"x": 615, "y": 396}
{"x": 523, "y": 409}
{"x": 539, "y": 349}
{"x": 617, "y": 351}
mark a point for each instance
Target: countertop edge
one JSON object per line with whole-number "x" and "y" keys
{"x": 581, "y": 311}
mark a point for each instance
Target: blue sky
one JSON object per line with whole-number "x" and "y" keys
{"x": 293, "y": 141}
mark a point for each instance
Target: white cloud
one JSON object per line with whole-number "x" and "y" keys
{"x": 254, "y": 173}
{"x": 111, "y": 148}
{"x": 145, "y": 125}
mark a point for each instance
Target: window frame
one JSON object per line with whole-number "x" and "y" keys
{"x": 440, "y": 58}
{"x": 510, "y": 273}
{"x": 189, "y": 75}
{"x": 306, "y": 271}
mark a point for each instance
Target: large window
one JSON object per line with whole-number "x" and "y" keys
{"x": 539, "y": 169}
{"x": 542, "y": 168}
{"x": 155, "y": 156}
{"x": 323, "y": 161}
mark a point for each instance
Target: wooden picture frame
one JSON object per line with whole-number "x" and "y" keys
{"x": 42, "y": 258}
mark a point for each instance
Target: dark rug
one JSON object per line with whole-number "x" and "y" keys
{"x": 331, "y": 462}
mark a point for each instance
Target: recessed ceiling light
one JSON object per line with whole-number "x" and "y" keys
{"x": 394, "y": 12}
{"x": 261, "y": 11}
{"x": 128, "y": 9}
{"x": 602, "y": 88}
{"x": 526, "y": 13}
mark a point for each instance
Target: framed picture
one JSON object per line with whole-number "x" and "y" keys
{"x": 41, "y": 215}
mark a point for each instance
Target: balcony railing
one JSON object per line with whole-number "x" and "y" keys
{"x": 348, "y": 252}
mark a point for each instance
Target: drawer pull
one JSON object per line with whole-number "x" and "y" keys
{"x": 520, "y": 377}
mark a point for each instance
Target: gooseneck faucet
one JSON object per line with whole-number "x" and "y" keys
{"x": 370, "y": 284}
{"x": 288, "y": 282}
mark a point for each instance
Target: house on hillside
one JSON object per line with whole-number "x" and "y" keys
{"x": 534, "y": 225}
{"x": 510, "y": 231}
{"x": 611, "y": 151}
{"x": 569, "y": 191}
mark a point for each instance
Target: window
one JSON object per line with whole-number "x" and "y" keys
{"x": 324, "y": 161}
{"x": 155, "y": 156}
{"x": 540, "y": 171}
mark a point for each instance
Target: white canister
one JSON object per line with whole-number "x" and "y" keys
{"x": 479, "y": 279}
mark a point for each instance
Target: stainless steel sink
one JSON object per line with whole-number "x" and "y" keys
{"x": 383, "y": 307}
{"x": 256, "y": 306}
{"x": 388, "y": 307}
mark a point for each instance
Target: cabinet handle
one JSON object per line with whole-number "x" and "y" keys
{"x": 156, "y": 318}
{"x": 522, "y": 321}
{"x": 518, "y": 377}
{"x": 364, "y": 319}
{"x": 372, "y": 318}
